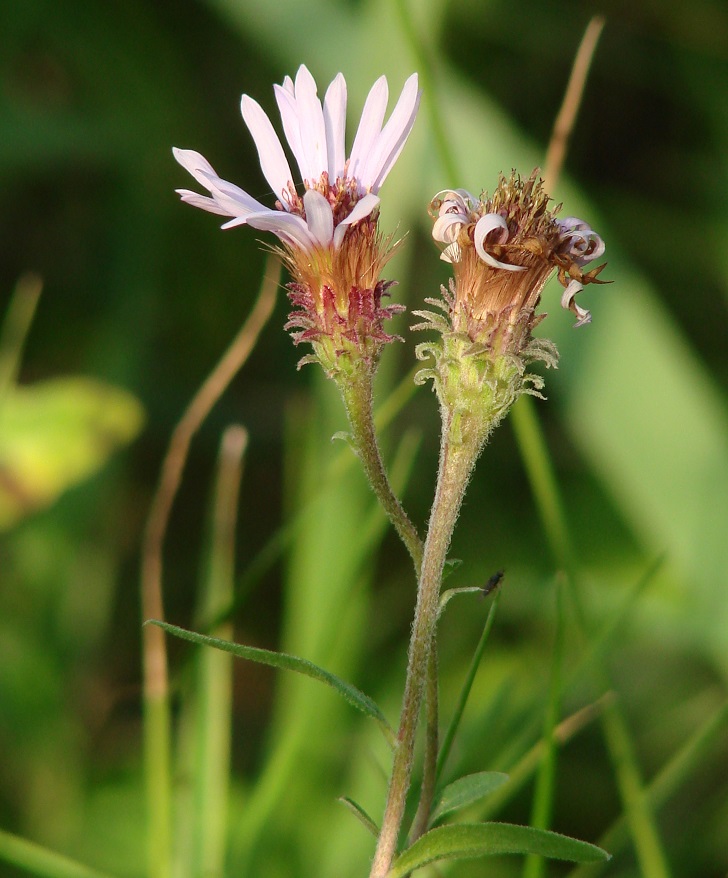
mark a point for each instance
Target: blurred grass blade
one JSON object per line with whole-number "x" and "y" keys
{"x": 355, "y": 697}
{"x": 467, "y": 686}
{"x": 666, "y": 782}
{"x": 545, "y": 780}
{"x": 360, "y": 814}
{"x": 523, "y": 770}
{"x": 467, "y": 841}
{"x": 33, "y": 858}
{"x": 638, "y": 810}
{"x": 599, "y": 643}
{"x": 201, "y": 846}
{"x": 15, "y": 329}
{"x": 542, "y": 480}
{"x": 623, "y": 754}
{"x": 466, "y": 790}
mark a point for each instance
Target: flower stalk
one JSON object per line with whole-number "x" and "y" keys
{"x": 458, "y": 453}
{"x": 357, "y": 396}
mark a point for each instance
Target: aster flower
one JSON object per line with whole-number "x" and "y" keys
{"x": 503, "y": 249}
{"x": 515, "y": 231}
{"x": 328, "y": 234}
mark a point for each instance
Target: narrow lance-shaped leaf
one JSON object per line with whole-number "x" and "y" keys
{"x": 466, "y": 790}
{"x": 282, "y": 660}
{"x": 360, "y": 814}
{"x": 466, "y": 841}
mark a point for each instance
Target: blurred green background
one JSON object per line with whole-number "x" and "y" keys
{"x": 143, "y": 293}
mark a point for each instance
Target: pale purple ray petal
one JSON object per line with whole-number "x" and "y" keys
{"x": 485, "y": 225}
{"x": 584, "y": 244}
{"x": 570, "y": 223}
{"x": 311, "y": 121}
{"x": 370, "y": 125}
{"x": 446, "y": 228}
{"x": 232, "y": 198}
{"x": 362, "y": 209}
{"x": 599, "y": 248}
{"x": 571, "y": 290}
{"x": 583, "y": 315}
{"x": 194, "y": 164}
{"x": 393, "y": 136}
{"x": 568, "y": 302}
{"x": 201, "y": 201}
{"x": 319, "y": 217}
{"x": 335, "y": 121}
{"x": 291, "y": 229}
{"x": 461, "y": 198}
{"x": 273, "y": 161}
{"x": 291, "y": 128}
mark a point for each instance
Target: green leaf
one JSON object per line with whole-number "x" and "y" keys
{"x": 55, "y": 434}
{"x": 33, "y": 858}
{"x": 467, "y": 790}
{"x": 467, "y": 686}
{"x": 354, "y": 696}
{"x": 450, "y": 566}
{"x": 360, "y": 814}
{"x": 464, "y": 841}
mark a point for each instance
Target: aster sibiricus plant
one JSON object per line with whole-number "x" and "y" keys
{"x": 329, "y": 236}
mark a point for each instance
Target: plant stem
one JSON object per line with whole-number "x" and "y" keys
{"x": 456, "y": 463}
{"x": 432, "y": 742}
{"x": 358, "y": 401}
{"x": 357, "y": 395}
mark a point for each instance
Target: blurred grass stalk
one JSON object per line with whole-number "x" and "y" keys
{"x": 206, "y": 721}
{"x": 40, "y": 861}
{"x": 15, "y": 329}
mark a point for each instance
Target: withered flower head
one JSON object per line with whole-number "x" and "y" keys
{"x": 503, "y": 248}
{"x": 328, "y": 234}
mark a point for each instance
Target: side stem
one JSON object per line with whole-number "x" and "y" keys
{"x": 456, "y": 463}
{"x": 357, "y": 396}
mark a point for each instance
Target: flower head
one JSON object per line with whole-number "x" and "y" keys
{"x": 328, "y": 233}
{"x": 503, "y": 249}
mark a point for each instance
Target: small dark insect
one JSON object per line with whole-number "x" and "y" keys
{"x": 492, "y": 584}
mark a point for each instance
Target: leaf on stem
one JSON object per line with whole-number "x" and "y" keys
{"x": 448, "y": 595}
{"x": 360, "y": 814}
{"x": 471, "y": 840}
{"x": 354, "y": 696}
{"x": 450, "y": 566}
{"x": 466, "y": 790}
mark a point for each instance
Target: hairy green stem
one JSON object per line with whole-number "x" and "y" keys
{"x": 456, "y": 463}
{"x": 358, "y": 401}
{"x": 432, "y": 743}
{"x": 357, "y": 395}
